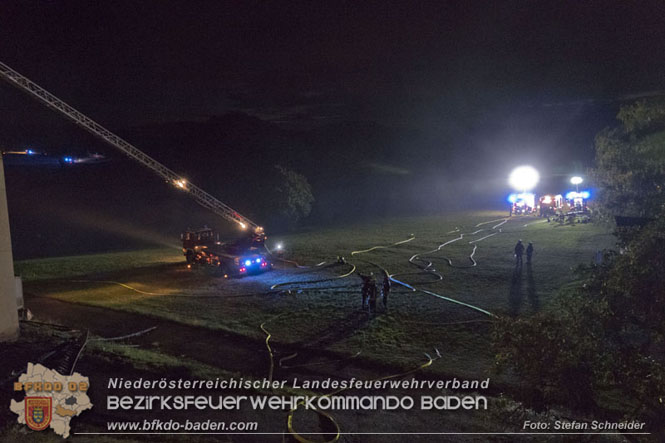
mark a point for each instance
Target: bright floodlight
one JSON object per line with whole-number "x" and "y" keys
{"x": 576, "y": 180}
{"x": 523, "y": 178}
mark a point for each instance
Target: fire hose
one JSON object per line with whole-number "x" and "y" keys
{"x": 329, "y": 417}
{"x": 391, "y": 276}
{"x": 416, "y": 257}
{"x": 295, "y": 354}
{"x": 288, "y": 283}
{"x": 290, "y": 427}
{"x": 428, "y": 267}
{"x": 131, "y": 288}
{"x": 301, "y": 439}
{"x": 122, "y": 337}
{"x": 353, "y": 269}
{"x": 269, "y": 335}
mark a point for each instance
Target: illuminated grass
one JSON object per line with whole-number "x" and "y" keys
{"x": 78, "y": 265}
{"x": 327, "y": 316}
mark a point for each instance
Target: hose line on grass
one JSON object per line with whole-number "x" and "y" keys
{"x": 427, "y": 268}
{"x": 109, "y": 282}
{"x": 503, "y": 220}
{"x": 329, "y": 417}
{"x": 301, "y": 439}
{"x": 428, "y": 265}
{"x": 323, "y": 414}
{"x": 270, "y": 354}
{"x": 121, "y": 337}
{"x": 288, "y": 283}
{"x": 374, "y": 248}
{"x": 353, "y": 269}
{"x": 431, "y": 271}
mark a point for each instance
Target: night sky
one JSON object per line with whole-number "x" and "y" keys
{"x": 409, "y": 63}
{"x": 485, "y": 85}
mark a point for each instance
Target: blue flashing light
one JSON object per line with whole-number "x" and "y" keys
{"x": 258, "y": 260}
{"x": 68, "y": 160}
{"x": 522, "y": 197}
{"x": 248, "y": 262}
{"x": 573, "y": 195}
{"x": 30, "y": 152}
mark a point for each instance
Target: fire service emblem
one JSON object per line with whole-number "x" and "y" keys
{"x": 38, "y": 412}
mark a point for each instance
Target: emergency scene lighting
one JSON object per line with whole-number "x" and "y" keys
{"x": 523, "y": 178}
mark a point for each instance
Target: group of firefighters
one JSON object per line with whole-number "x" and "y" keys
{"x": 519, "y": 251}
{"x": 370, "y": 292}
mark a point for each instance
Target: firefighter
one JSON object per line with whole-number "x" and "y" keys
{"x": 385, "y": 290}
{"x": 372, "y": 295}
{"x": 510, "y": 211}
{"x": 529, "y": 253}
{"x": 519, "y": 250}
{"x": 365, "y": 291}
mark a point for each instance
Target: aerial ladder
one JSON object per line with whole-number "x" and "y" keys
{"x": 202, "y": 197}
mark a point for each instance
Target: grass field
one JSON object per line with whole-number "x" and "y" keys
{"x": 327, "y": 315}
{"x": 78, "y": 265}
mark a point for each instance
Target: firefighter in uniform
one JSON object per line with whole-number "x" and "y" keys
{"x": 529, "y": 252}
{"x": 364, "y": 292}
{"x": 519, "y": 250}
{"x": 372, "y": 294}
{"x": 385, "y": 290}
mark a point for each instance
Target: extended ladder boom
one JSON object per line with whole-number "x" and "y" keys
{"x": 201, "y": 196}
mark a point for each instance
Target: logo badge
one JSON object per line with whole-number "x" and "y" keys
{"x": 38, "y": 412}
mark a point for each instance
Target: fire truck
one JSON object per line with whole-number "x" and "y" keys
{"x": 234, "y": 259}
{"x": 523, "y": 203}
{"x": 548, "y": 204}
{"x": 242, "y": 257}
{"x": 578, "y": 200}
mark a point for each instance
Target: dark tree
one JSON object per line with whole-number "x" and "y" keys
{"x": 630, "y": 162}
{"x": 288, "y": 199}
